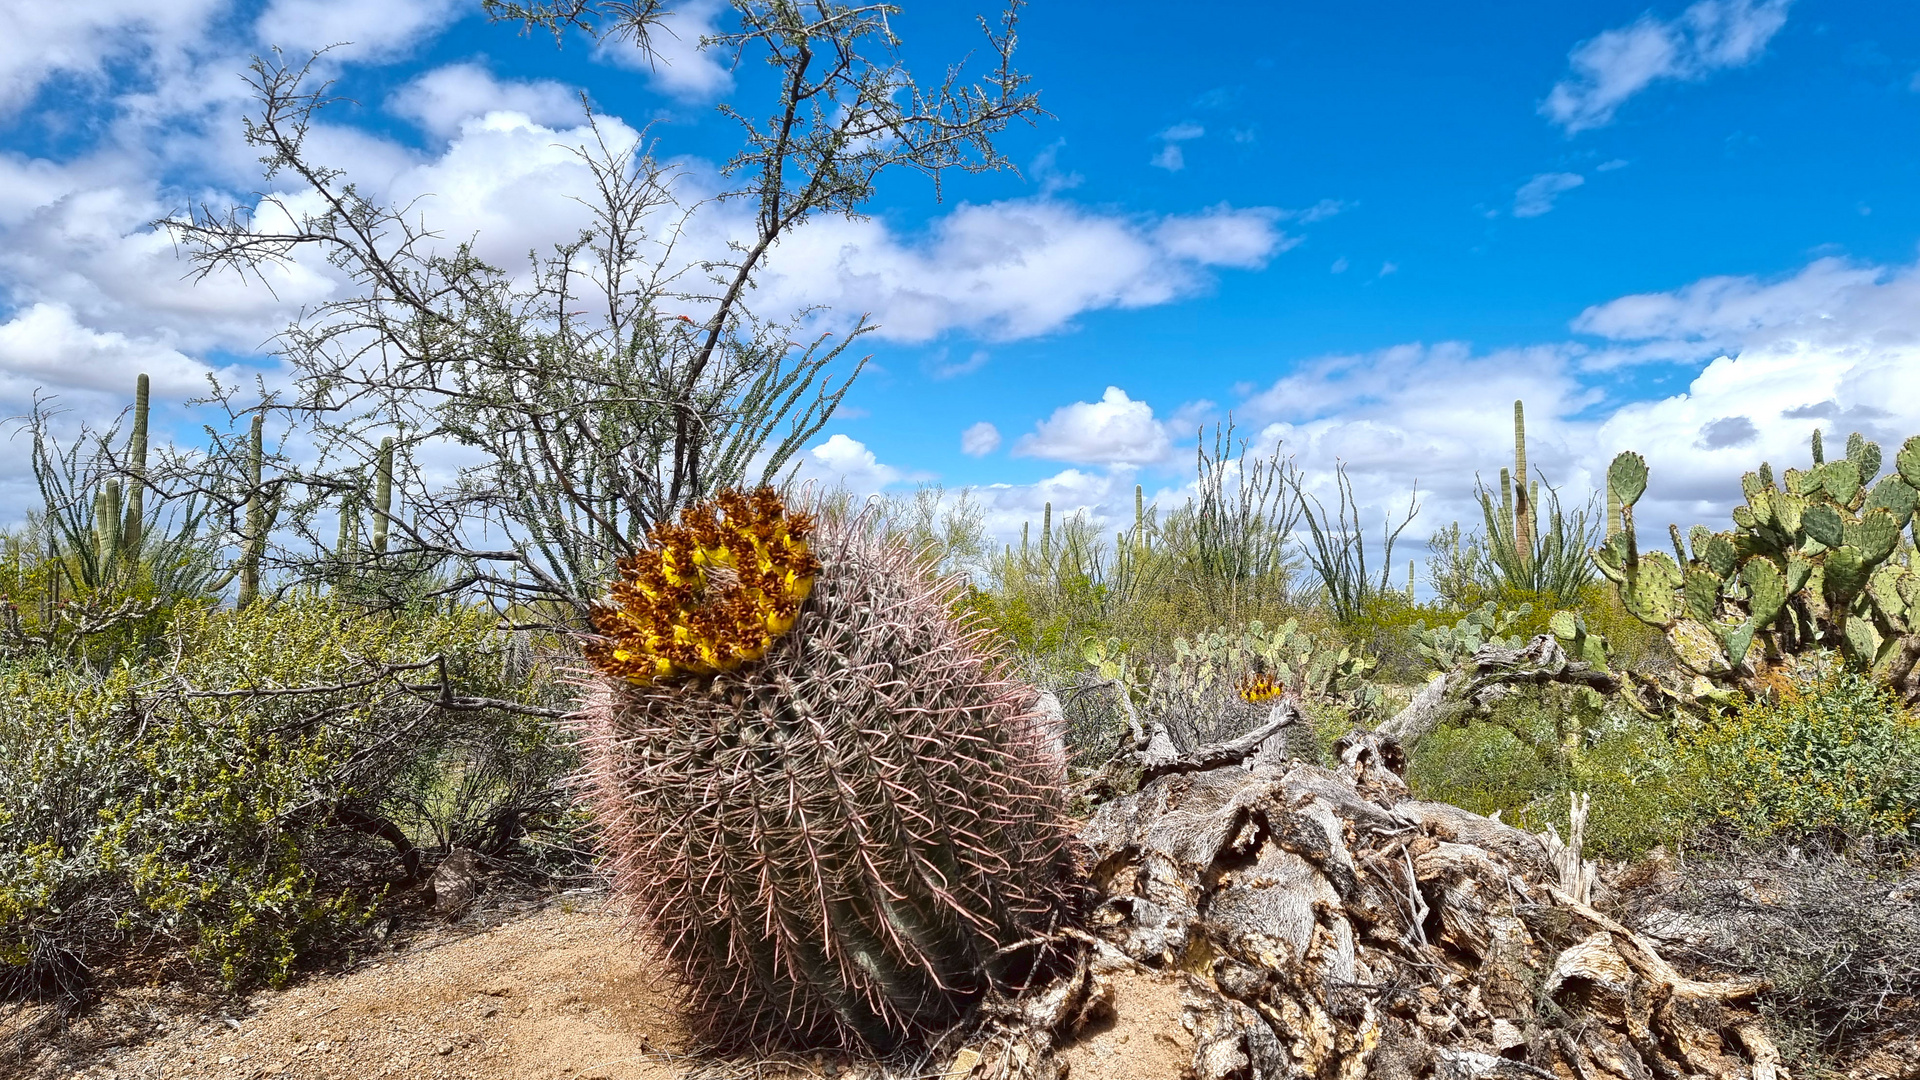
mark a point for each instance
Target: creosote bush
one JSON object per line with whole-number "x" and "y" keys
{"x": 1832, "y": 753}
{"x": 251, "y": 796}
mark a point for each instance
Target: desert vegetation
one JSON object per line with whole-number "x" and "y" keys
{"x": 875, "y": 780}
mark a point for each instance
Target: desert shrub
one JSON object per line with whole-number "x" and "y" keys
{"x": 1482, "y": 767}
{"x": 1645, "y": 787}
{"x": 1829, "y": 753}
{"x": 248, "y": 797}
{"x": 1837, "y": 938}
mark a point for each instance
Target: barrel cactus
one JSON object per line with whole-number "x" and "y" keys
{"x": 1815, "y": 561}
{"x": 839, "y": 820}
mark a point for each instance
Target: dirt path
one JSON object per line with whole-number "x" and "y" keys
{"x": 562, "y": 993}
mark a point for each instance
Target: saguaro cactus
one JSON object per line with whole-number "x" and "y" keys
{"x": 382, "y": 495}
{"x": 1523, "y": 492}
{"x": 253, "y": 544}
{"x": 135, "y": 520}
{"x": 820, "y": 793}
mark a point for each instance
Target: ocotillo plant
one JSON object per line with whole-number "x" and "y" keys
{"x": 1815, "y": 562}
{"x": 820, "y": 794}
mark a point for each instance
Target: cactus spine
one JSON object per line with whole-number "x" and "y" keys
{"x": 838, "y": 838}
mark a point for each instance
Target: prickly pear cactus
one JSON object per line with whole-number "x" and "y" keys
{"x": 1814, "y": 561}
{"x": 1582, "y": 645}
{"x": 1446, "y": 647}
{"x": 837, "y": 818}
{"x": 1211, "y": 689}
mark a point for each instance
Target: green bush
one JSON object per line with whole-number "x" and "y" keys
{"x": 249, "y": 795}
{"x": 1539, "y": 745}
{"x": 1833, "y": 753}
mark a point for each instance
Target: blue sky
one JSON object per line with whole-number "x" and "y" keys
{"x": 1360, "y": 229}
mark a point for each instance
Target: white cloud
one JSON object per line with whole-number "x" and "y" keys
{"x": 1223, "y": 236}
{"x": 846, "y": 462}
{"x": 442, "y": 99}
{"x": 81, "y": 39}
{"x": 1835, "y": 346}
{"x": 674, "y": 61}
{"x": 1105, "y": 497}
{"x": 1116, "y": 430}
{"x": 980, "y": 440}
{"x": 45, "y": 347}
{"x": 369, "y": 29}
{"x": 1011, "y": 269}
{"x": 1829, "y": 299}
{"x": 1339, "y": 265}
{"x": 1609, "y": 69}
{"x": 1171, "y": 157}
{"x": 1537, "y": 195}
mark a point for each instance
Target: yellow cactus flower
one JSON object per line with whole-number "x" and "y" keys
{"x": 709, "y": 592}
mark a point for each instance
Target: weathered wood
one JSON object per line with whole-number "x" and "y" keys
{"x": 1490, "y": 674}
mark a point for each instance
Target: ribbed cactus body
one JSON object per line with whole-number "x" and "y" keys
{"x": 848, "y": 840}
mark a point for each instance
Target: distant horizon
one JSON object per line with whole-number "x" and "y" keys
{"x": 1689, "y": 230}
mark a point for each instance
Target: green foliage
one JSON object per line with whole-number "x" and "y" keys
{"x": 1219, "y": 558}
{"x": 1526, "y": 547}
{"x": 1816, "y": 562}
{"x": 246, "y": 795}
{"x": 1447, "y": 647}
{"x": 1336, "y": 548}
{"x": 1196, "y": 694}
{"x": 1537, "y": 746}
{"x": 1832, "y": 753}
{"x": 96, "y": 573}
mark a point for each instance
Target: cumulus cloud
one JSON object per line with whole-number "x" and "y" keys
{"x": 1709, "y": 36}
{"x": 43, "y": 347}
{"x": 366, "y": 29}
{"x": 846, "y": 462}
{"x": 1833, "y": 346}
{"x": 673, "y": 60}
{"x": 980, "y": 439}
{"x": 44, "y": 39}
{"x": 1116, "y": 430}
{"x": 1537, "y": 195}
{"x": 1013, "y": 269}
{"x": 442, "y": 99}
{"x": 1828, "y": 297}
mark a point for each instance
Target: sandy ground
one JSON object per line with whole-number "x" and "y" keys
{"x": 562, "y": 993}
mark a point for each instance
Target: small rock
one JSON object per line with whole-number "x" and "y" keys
{"x": 443, "y": 1049}
{"x": 455, "y": 882}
